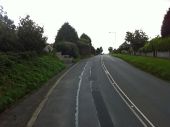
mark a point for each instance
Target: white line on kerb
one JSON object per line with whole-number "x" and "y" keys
{"x": 120, "y": 92}
{"x": 41, "y": 105}
{"x": 77, "y": 97}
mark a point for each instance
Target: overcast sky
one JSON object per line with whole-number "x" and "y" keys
{"x": 96, "y": 18}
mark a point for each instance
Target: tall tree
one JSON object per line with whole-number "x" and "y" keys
{"x": 66, "y": 33}
{"x": 31, "y": 35}
{"x": 165, "y": 29}
{"x": 136, "y": 39}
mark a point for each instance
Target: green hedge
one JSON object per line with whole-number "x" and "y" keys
{"x": 68, "y": 48}
{"x": 84, "y": 48}
{"x": 20, "y": 76}
{"x": 157, "y": 44}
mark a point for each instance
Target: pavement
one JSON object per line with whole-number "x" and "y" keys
{"x": 101, "y": 91}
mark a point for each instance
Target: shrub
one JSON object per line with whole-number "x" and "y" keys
{"x": 84, "y": 48}
{"x": 157, "y": 44}
{"x": 67, "y": 48}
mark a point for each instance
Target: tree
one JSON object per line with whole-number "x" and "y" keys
{"x": 136, "y": 39}
{"x": 165, "y": 29}
{"x": 84, "y": 45}
{"x": 66, "y": 33}
{"x": 99, "y": 50}
{"x": 110, "y": 49}
{"x": 85, "y": 38}
{"x": 31, "y": 35}
{"x": 8, "y": 37}
{"x": 125, "y": 46}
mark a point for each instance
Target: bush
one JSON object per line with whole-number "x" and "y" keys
{"x": 27, "y": 55}
{"x": 86, "y": 39}
{"x": 164, "y": 44}
{"x": 84, "y": 48}
{"x": 6, "y": 62}
{"x": 157, "y": 44}
{"x": 67, "y": 48}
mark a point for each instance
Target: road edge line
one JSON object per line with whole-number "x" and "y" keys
{"x": 34, "y": 116}
{"x": 113, "y": 82}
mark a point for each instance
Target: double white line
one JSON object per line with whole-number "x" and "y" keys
{"x": 135, "y": 110}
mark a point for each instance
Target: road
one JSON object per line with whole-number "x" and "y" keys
{"x": 104, "y": 91}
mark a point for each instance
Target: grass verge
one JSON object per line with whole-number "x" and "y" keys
{"x": 156, "y": 66}
{"x": 20, "y": 76}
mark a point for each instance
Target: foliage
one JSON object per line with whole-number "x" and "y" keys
{"x": 68, "y": 43}
{"x": 99, "y": 50}
{"x": 8, "y": 36}
{"x": 157, "y": 44}
{"x": 124, "y": 46}
{"x": 30, "y": 35}
{"x": 67, "y": 48}
{"x": 164, "y": 44}
{"x": 110, "y": 49}
{"x": 85, "y": 38}
{"x": 136, "y": 39}
{"x": 20, "y": 76}
{"x": 66, "y": 33}
{"x": 93, "y": 51}
{"x": 165, "y": 29}
{"x": 84, "y": 48}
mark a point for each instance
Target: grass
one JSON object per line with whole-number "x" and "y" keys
{"x": 156, "y": 66}
{"x": 19, "y": 77}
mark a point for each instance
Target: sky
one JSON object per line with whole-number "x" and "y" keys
{"x": 105, "y": 21}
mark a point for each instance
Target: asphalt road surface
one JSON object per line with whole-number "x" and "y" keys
{"x": 104, "y": 91}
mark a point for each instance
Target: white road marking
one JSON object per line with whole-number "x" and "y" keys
{"x": 41, "y": 105}
{"x": 91, "y": 82}
{"x": 121, "y": 94}
{"x": 77, "y": 98}
{"x": 90, "y": 71}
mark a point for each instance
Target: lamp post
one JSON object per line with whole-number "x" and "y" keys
{"x": 114, "y": 36}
